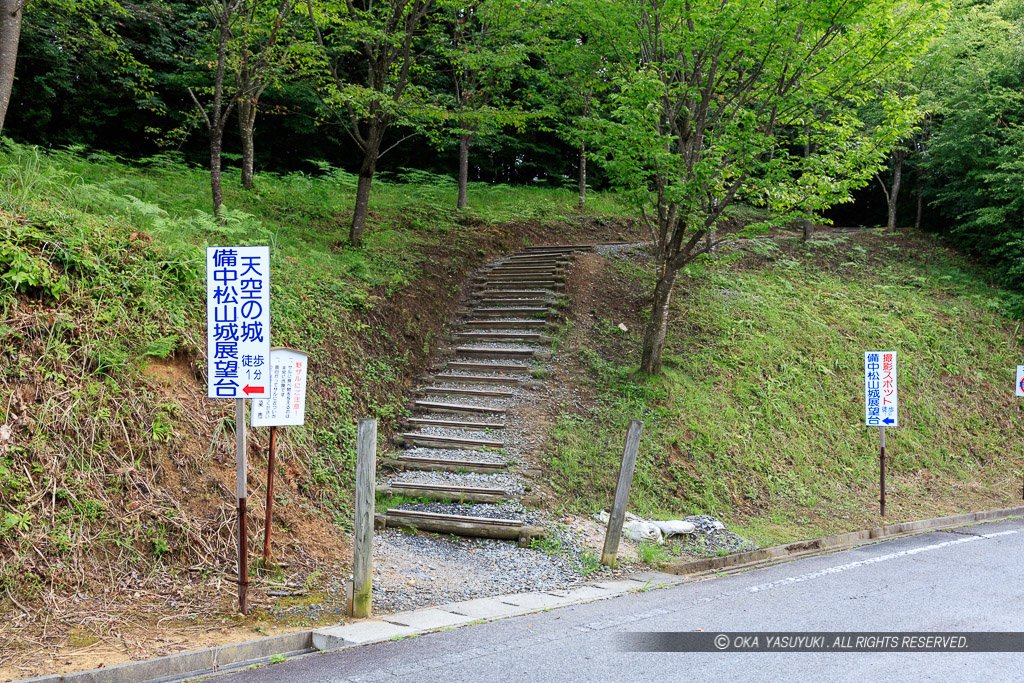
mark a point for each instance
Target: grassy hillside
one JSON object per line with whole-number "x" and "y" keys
{"x": 115, "y": 470}
{"x": 759, "y": 414}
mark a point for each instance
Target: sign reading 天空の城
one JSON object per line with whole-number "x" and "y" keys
{"x": 238, "y": 321}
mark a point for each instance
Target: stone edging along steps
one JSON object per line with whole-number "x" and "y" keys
{"x": 459, "y": 425}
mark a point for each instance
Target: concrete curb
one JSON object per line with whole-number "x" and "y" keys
{"x": 193, "y": 664}
{"x": 200, "y": 663}
{"x": 836, "y": 542}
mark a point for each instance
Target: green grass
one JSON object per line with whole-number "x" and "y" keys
{"x": 758, "y": 416}
{"x": 102, "y": 338}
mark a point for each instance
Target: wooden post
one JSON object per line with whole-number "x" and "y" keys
{"x": 242, "y": 493}
{"x": 362, "y": 563}
{"x": 618, "y": 513}
{"x": 270, "y": 498}
{"x": 881, "y": 471}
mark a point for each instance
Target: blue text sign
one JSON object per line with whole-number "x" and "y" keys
{"x": 238, "y": 321}
{"x": 881, "y": 400}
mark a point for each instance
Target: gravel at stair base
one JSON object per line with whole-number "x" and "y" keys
{"x": 500, "y": 346}
{"x": 477, "y": 401}
{"x": 457, "y": 433}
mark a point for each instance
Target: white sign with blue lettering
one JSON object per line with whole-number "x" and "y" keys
{"x": 881, "y": 400}
{"x": 1020, "y": 380}
{"x": 238, "y": 321}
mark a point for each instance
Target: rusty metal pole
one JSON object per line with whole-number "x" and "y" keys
{"x": 242, "y": 493}
{"x": 270, "y": 497}
{"x": 881, "y": 470}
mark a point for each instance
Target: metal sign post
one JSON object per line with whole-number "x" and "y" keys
{"x": 238, "y": 349}
{"x": 286, "y": 406}
{"x": 881, "y": 404}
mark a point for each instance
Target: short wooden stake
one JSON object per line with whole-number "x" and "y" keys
{"x": 362, "y": 563}
{"x": 618, "y": 513}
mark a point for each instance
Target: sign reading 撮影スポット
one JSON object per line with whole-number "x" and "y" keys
{"x": 881, "y": 400}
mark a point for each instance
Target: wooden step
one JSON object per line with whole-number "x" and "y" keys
{"x": 526, "y": 337}
{"x": 559, "y": 248}
{"x": 437, "y": 441}
{"x": 520, "y": 284}
{"x": 485, "y": 352}
{"x": 460, "y": 525}
{"x": 524, "y": 270}
{"x": 516, "y": 324}
{"x": 461, "y": 391}
{"x": 533, "y": 293}
{"x": 444, "y": 407}
{"x": 539, "y": 274}
{"x": 506, "y": 311}
{"x": 454, "y": 424}
{"x": 442, "y": 465}
{"x": 493, "y": 367}
{"x": 461, "y": 494}
{"x": 505, "y": 301}
{"x": 477, "y": 379}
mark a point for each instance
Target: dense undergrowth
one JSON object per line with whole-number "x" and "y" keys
{"x": 113, "y": 463}
{"x": 759, "y": 414}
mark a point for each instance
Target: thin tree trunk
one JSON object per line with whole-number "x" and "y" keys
{"x": 10, "y": 34}
{"x": 216, "y": 143}
{"x": 465, "y": 140}
{"x": 657, "y": 326}
{"x": 897, "y": 178}
{"x": 366, "y": 172}
{"x": 920, "y": 207}
{"x": 808, "y": 224}
{"x": 246, "y": 130}
{"x": 583, "y": 176}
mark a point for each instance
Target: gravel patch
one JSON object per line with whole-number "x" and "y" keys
{"x": 711, "y": 538}
{"x": 454, "y": 454}
{"x": 509, "y": 483}
{"x": 484, "y": 402}
{"x": 455, "y": 433}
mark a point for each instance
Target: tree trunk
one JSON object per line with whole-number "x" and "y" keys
{"x": 216, "y": 145}
{"x": 246, "y": 130}
{"x": 897, "y": 178}
{"x": 808, "y": 224}
{"x": 465, "y": 140}
{"x": 10, "y": 34}
{"x": 920, "y": 206}
{"x": 657, "y": 326}
{"x": 583, "y": 177}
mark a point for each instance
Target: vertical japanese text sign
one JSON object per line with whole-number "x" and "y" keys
{"x": 287, "y": 403}
{"x": 880, "y": 397}
{"x": 238, "y": 321}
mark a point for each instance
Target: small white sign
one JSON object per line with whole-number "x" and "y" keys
{"x": 881, "y": 400}
{"x": 1020, "y": 380}
{"x": 287, "y": 402}
{"x": 238, "y": 321}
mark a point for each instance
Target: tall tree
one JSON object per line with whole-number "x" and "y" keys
{"x": 10, "y": 35}
{"x": 709, "y": 94}
{"x": 369, "y": 52}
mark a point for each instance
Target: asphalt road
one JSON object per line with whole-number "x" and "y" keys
{"x": 971, "y": 579}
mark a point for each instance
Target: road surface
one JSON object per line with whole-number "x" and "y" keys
{"x": 970, "y": 579}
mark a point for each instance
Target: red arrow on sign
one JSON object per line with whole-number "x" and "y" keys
{"x": 252, "y": 390}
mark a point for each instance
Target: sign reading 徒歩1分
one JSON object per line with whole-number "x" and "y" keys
{"x": 238, "y": 321}
{"x": 881, "y": 400}
{"x": 287, "y": 403}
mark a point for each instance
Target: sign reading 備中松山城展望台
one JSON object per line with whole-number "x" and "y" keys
{"x": 881, "y": 400}
{"x": 287, "y": 403}
{"x": 238, "y": 321}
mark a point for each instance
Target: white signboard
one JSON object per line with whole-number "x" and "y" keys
{"x": 880, "y": 398}
{"x": 1020, "y": 380}
{"x": 238, "y": 321}
{"x": 287, "y": 402}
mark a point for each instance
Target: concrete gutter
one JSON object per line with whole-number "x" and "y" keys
{"x": 218, "y": 660}
{"x": 825, "y": 544}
